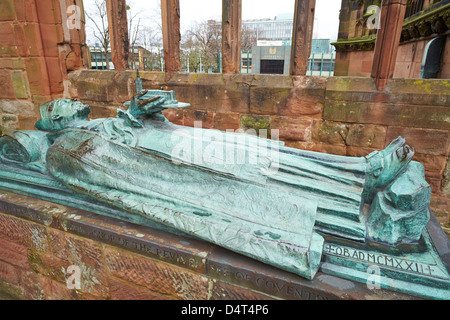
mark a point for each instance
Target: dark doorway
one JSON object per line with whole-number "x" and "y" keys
{"x": 431, "y": 64}
{"x": 272, "y": 67}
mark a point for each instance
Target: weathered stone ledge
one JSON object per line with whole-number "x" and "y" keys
{"x": 118, "y": 260}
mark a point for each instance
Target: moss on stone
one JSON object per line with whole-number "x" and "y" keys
{"x": 8, "y": 51}
{"x": 256, "y": 123}
{"x": 346, "y": 111}
{"x": 9, "y": 293}
{"x": 34, "y": 260}
{"x": 7, "y": 9}
{"x": 331, "y": 132}
{"x": 18, "y": 63}
{"x": 19, "y": 84}
{"x": 432, "y": 86}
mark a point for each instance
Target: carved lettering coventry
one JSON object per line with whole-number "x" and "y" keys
{"x": 383, "y": 260}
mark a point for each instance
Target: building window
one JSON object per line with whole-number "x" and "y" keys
{"x": 272, "y": 67}
{"x": 245, "y": 62}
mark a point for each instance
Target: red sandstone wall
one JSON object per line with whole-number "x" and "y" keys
{"x": 409, "y": 59}
{"x": 408, "y": 65}
{"x": 354, "y": 63}
{"x": 35, "y": 257}
{"x": 37, "y": 49}
{"x": 42, "y": 245}
{"x": 445, "y": 73}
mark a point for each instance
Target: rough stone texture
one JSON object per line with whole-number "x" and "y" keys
{"x": 37, "y": 49}
{"x": 330, "y": 132}
{"x": 409, "y": 59}
{"x": 231, "y": 36}
{"x": 256, "y": 123}
{"x": 302, "y": 36}
{"x": 388, "y": 41}
{"x": 170, "y": 12}
{"x": 40, "y": 240}
{"x": 118, "y": 31}
{"x": 445, "y": 72}
{"x": 446, "y": 180}
{"x": 369, "y": 136}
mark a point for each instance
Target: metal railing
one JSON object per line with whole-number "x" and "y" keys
{"x": 413, "y": 7}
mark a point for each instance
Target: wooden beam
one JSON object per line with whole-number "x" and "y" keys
{"x": 302, "y": 36}
{"x": 118, "y": 33}
{"x": 231, "y": 36}
{"x": 170, "y": 11}
{"x": 388, "y": 41}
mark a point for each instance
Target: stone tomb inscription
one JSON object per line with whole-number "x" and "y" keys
{"x": 385, "y": 261}
{"x": 262, "y": 282}
{"x": 143, "y": 246}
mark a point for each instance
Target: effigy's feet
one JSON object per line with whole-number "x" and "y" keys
{"x": 398, "y": 195}
{"x": 385, "y": 165}
{"x": 399, "y": 213}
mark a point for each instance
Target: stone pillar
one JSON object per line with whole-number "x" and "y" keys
{"x": 118, "y": 32}
{"x": 75, "y": 52}
{"x": 231, "y": 35}
{"x": 170, "y": 11}
{"x": 302, "y": 36}
{"x": 388, "y": 40}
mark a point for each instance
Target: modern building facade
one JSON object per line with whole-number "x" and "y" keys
{"x": 272, "y": 53}
{"x": 139, "y": 58}
{"x": 271, "y": 59}
{"x": 275, "y": 59}
{"x": 98, "y": 58}
{"x": 279, "y": 28}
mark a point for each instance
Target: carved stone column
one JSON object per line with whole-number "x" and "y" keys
{"x": 388, "y": 40}
{"x": 302, "y": 36}
{"x": 170, "y": 11}
{"x": 231, "y": 35}
{"x": 118, "y": 32}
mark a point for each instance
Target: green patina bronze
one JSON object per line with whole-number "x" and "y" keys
{"x": 248, "y": 194}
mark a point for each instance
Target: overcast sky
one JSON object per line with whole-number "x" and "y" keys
{"x": 326, "y": 17}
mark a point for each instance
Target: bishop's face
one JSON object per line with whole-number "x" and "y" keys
{"x": 60, "y": 114}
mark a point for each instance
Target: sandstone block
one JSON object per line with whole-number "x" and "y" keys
{"x": 7, "y": 10}
{"x": 425, "y": 141}
{"x": 37, "y": 76}
{"x": 227, "y": 121}
{"x": 256, "y": 123}
{"x": 329, "y": 132}
{"x": 175, "y": 116}
{"x": 292, "y": 128}
{"x": 8, "y": 273}
{"x": 20, "y": 84}
{"x": 123, "y": 290}
{"x": 206, "y": 118}
{"x": 369, "y": 136}
{"x": 159, "y": 277}
{"x": 6, "y": 85}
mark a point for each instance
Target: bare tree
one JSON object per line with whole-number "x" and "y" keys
{"x": 205, "y": 39}
{"x": 191, "y": 53}
{"x": 249, "y": 38}
{"x": 100, "y": 28}
{"x": 151, "y": 41}
{"x": 203, "y": 42}
{"x": 133, "y": 31}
